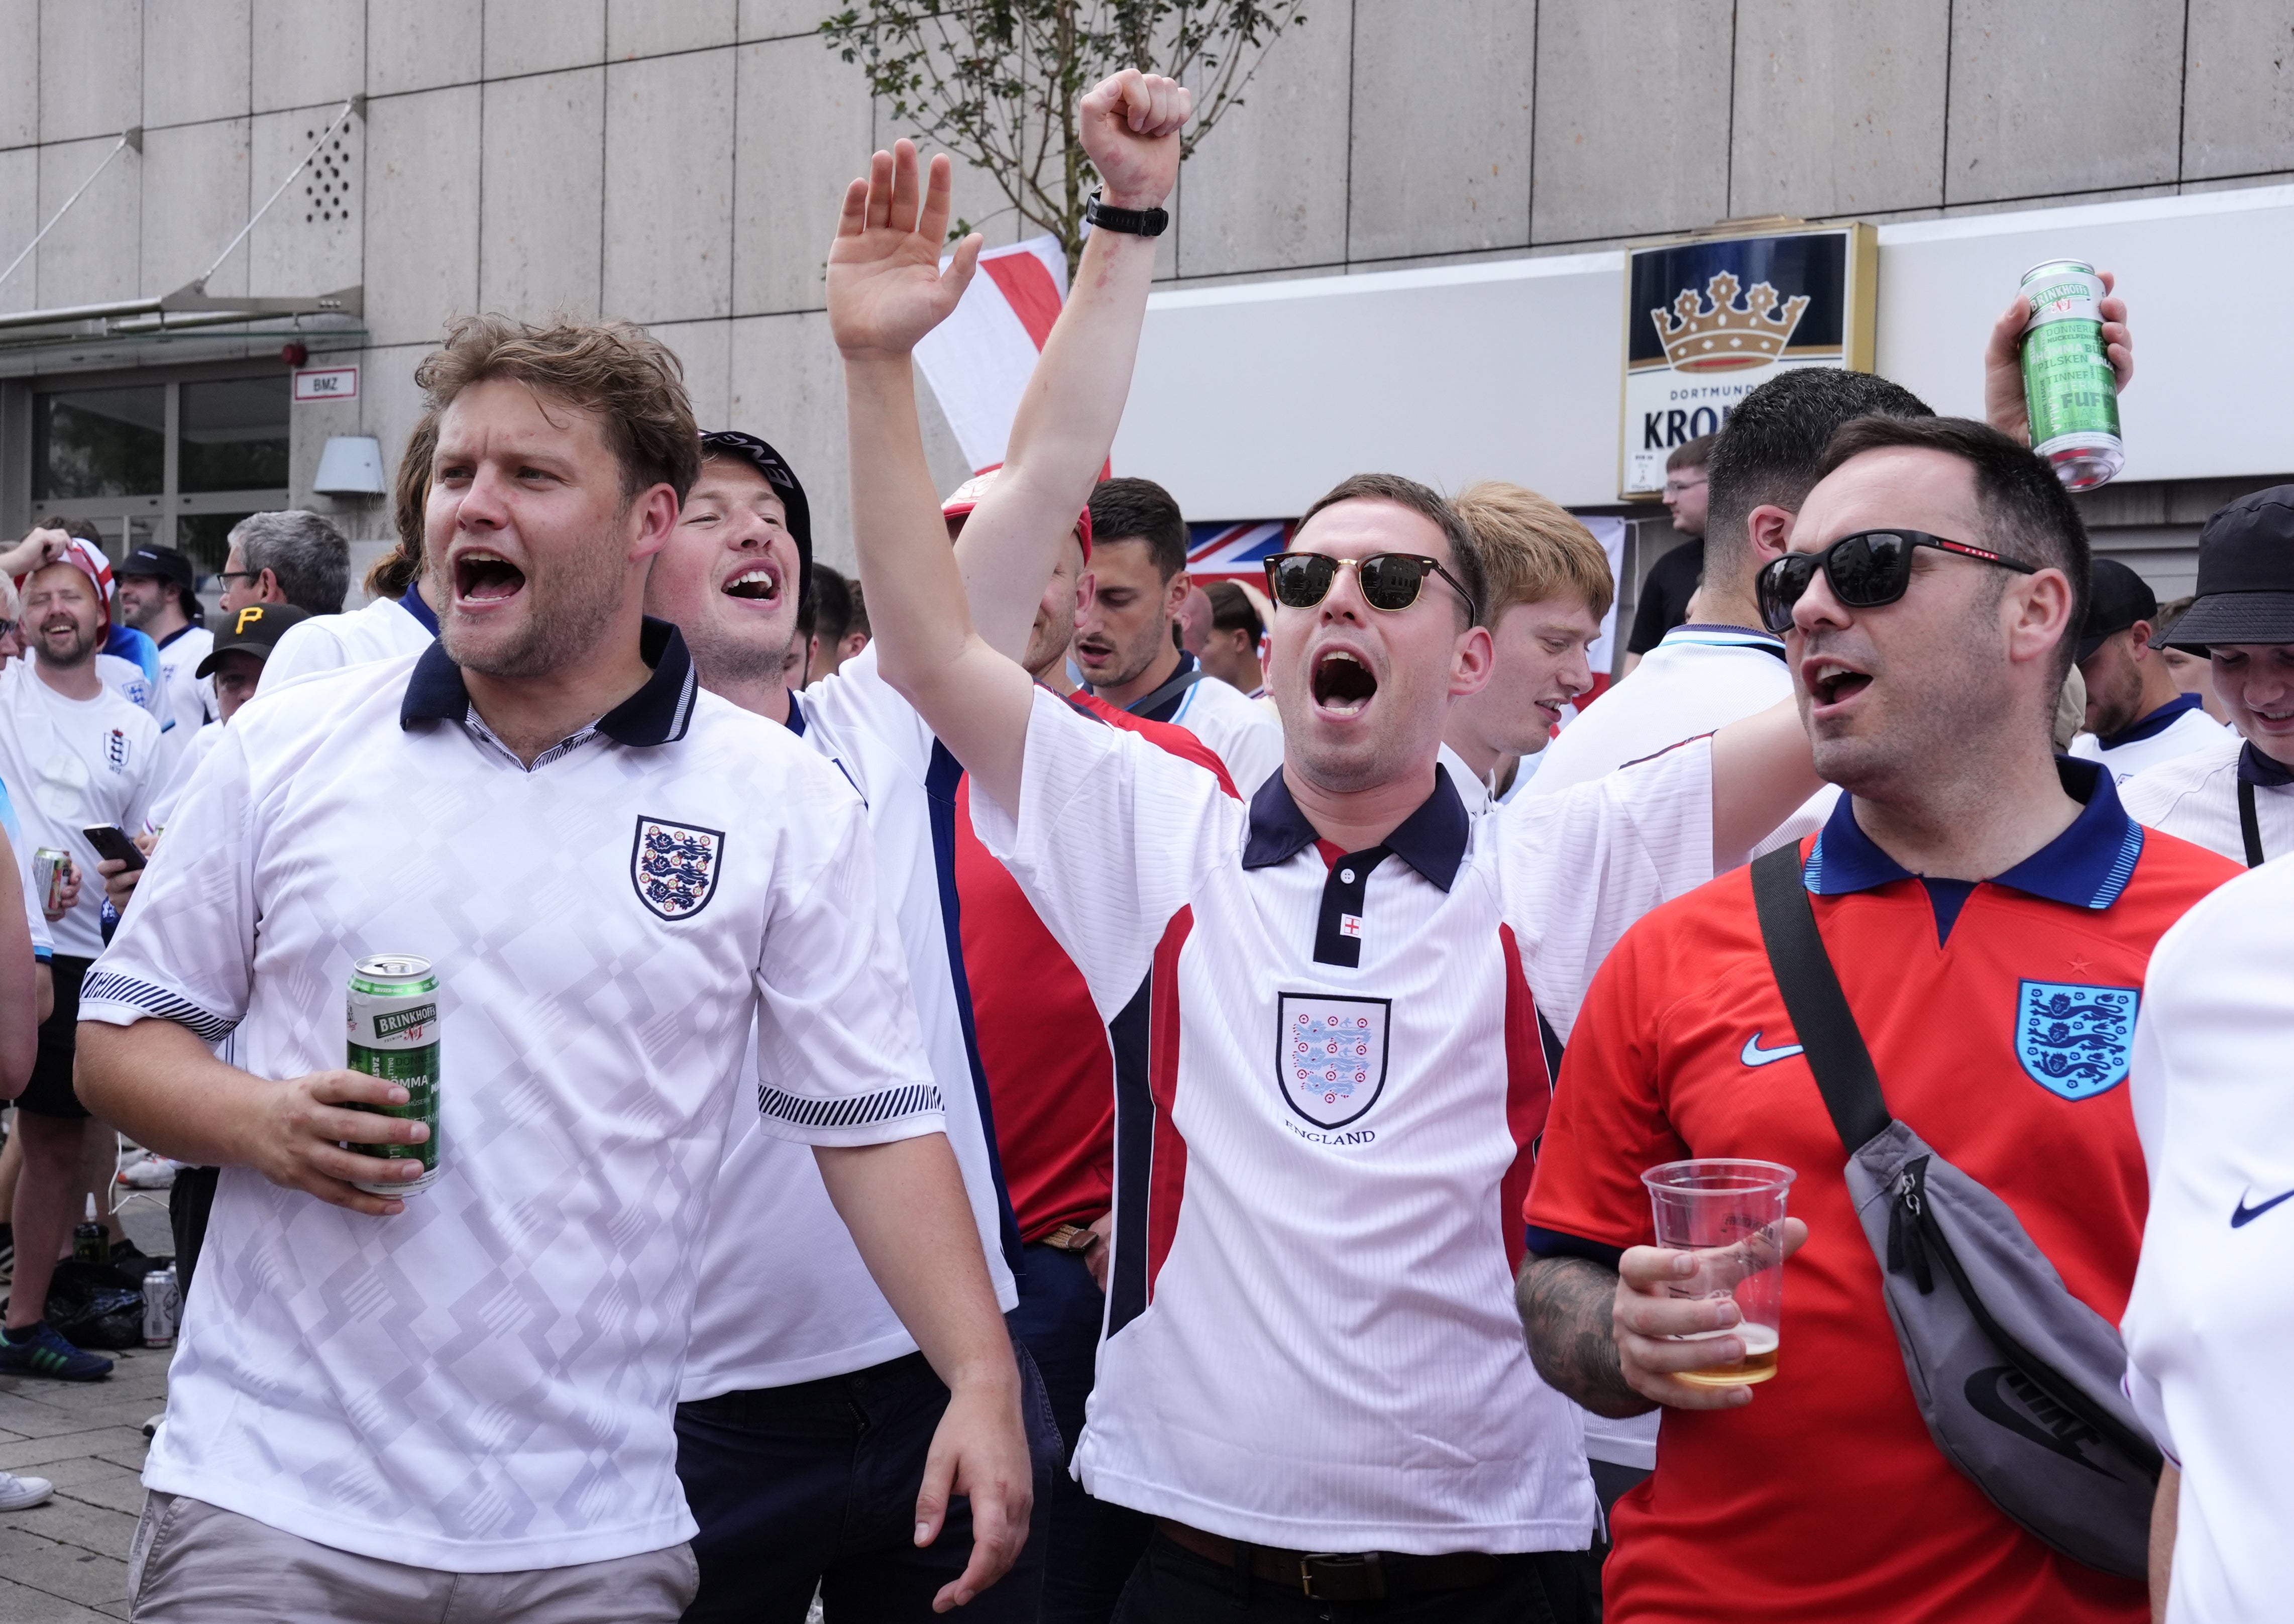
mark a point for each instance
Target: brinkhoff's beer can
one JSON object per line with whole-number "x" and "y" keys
{"x": 2067, "y": 379}
{"x": 394, "y": 1034}
{"x": 50, "y": 869}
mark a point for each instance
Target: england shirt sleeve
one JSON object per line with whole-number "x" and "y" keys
{"x": 43, "y": 945}
{"x": 1577, "y": 869}
{"x": 840, "y": 1052}
{"x": 185, "y": 948}
{"x": 1113, "y": 837}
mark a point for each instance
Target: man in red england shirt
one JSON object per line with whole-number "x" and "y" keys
{"x": 1966, "y": 874}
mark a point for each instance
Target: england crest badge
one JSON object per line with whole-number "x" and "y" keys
{"x": 2074, "y": 1039}
{"x": 1330, "y": 1056}
{"x": 674, "y": 866}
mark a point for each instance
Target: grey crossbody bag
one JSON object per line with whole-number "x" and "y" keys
{"x": 2017, "y": 1379}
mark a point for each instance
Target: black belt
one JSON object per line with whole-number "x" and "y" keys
{"x": 1335, "y": 1576}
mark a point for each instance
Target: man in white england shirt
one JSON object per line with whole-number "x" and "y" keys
{"x": 155, "y": 590}
{"x": 74, "y": 754}
{"x": 2138, "y": 715}
{"x": 1310, "y": 1356}
{"x": 384, "y": 1408}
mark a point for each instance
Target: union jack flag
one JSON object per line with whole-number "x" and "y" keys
{"x": 1236, "y": 551}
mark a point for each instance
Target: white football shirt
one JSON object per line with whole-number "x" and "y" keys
{"x": 820, "y": 1313}
{"x": 163, "y": 803}
{"x": 2207, "y": 1333}
{"x": 2195, "y": 797}
{"x": 1311, "y": 1335}
{"x": 2172, "y": 730}
{"x": 1697, "y": 679}
{"x": 384, "y": 629}
{"x": 71, "y": 763}
{"x": 1243, "y": 732}
{"x": 485, "y": 1382}
{"x": 186, "y": 701}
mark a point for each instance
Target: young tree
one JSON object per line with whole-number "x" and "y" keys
{"x": 996, "y": 82}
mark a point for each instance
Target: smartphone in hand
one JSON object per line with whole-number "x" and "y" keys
{"x": 111, "y": 843}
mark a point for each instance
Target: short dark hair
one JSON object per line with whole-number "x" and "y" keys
{"x": 832, "y": 600}
{"x": 1231, "y": 610}
{"x": 858, "y": 621}
{"x": 2027, "y": 515}
{"x": 1141, "y": 510}
{"x": 1427, "y": 503}
{"x": 304, "y": 553}
{"x": 1691, "y": 453}
{"x": 1771, "y": 450}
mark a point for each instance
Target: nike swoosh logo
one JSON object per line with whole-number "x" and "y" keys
{"x": 2246, "y": 1215}
{"x": 1754, "y": 1055}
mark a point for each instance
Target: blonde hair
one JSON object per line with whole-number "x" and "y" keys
{"x": 1532, "y": 548}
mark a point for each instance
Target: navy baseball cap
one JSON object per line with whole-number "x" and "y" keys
{"x": 2116, "y": 599}
{"x": 2246, "y": 576}
{"x": 165, "y": 563}
{"x": 778, "y": 474}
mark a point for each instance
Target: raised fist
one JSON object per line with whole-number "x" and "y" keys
{"x": 1129, "y": 125}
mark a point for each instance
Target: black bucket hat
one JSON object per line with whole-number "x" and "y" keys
{"x": 769, "y": 462}
{"x": 2246, "y": 576}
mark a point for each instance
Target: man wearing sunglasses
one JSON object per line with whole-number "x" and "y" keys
{"x": 1970, "y": 888}
{"x": 1309, "y": 1377}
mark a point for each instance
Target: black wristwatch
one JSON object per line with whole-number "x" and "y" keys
{"x": 1133, "y": 222}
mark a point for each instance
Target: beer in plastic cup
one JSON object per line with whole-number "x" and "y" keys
{"x": 1729, "y": 1216}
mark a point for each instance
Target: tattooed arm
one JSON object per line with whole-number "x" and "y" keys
{"x": 1567, "y": 1306}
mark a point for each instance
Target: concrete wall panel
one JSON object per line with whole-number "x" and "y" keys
{"x": 308, "y": 51}
{"x": 194, "y": 200}
{"x": 650, "y": 28}
{"x": 779, "y": 18}
{"x": 389, "y": 404}
{"x": 1837, "y": 109}
{"x": 1632, "y": 118}
{"x": 2238, "y": 104}
{"x": 196, "y": 60}
{"x": 805, "y": 125}
{"x": 1267, "y": 188}
{"x": 309, "y": 242}
{"x": 2053, "y": 96}
{"x": 540, "y": 36}
{"x": 421, "y": 216}
{"x": 787, "y": 385}
{"x": 19, "y": 79}
{"x": 95, "y": 252}
{"x": 91, "y": 67}
{"x": 539, "y": 240}
{"x": 420, "y": 44}
{"x": 1440, "y": 172}
{"x": 19, "y": 217}
{"x": 669, "y": 187}
{"x": 706, "y": 350}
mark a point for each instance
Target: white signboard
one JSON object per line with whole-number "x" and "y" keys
{"x": 314, "y": 384}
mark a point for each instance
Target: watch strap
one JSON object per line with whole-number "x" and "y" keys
{"x": 1131, "y": 221}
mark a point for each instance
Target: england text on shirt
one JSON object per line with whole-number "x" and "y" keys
{"x": 484, "y": 1382}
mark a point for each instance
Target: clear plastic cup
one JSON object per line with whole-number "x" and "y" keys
{"x": 1729, "y": 1214}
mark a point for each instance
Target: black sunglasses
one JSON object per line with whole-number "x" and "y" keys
{"x": 1390, "y": 581}
{"x": 1867, "y": 570}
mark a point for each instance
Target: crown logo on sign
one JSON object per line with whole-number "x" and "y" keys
{"x": 1724, "y": 334}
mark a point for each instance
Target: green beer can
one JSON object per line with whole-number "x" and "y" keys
{"x": 2066, "y": 378}
{"x": 394, "y": 1034}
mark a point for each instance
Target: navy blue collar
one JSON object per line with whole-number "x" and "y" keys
{"x": 657, "y": 713}
{"x": 179, "y": 631}
{"x": 411, "y": 602}
{"x": 1432, "y": 839}
{"x": 2152, "y": 726}
{"x": 2261, "y": 771}
{"x": 796, "y": 723}
{"x": 2087, "y": 865}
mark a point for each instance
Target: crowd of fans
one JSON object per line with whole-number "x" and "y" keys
{"x": 1026, "y": 1082}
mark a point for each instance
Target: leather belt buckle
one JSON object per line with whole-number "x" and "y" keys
{"x": 1071, "y": 1238}
{"x": 1337, "y": 1575}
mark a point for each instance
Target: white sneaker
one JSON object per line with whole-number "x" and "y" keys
{"x": 17, "y": 1493}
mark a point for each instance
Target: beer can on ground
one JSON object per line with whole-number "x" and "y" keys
{"x": 51, "y": 870}
{"x": 394, "y": 1034}
{"x": 2067, "y": 379}
{"x": 162, "y": 1303}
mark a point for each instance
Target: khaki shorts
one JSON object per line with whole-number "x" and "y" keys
{"x": 196, "y": 1564}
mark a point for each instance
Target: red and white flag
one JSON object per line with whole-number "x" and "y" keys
{"x": 978, "y": 361}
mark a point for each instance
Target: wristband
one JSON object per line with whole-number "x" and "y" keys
{"x": 1131, "y": 221}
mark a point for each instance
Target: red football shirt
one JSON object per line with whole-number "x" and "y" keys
{"x": 1825, "y": 1498}
{"x": 1051, "y": 1075}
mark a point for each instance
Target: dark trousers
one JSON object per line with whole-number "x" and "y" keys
{"x": 1093, "y": 1544}
{"x": 815, "y": 1484}
{"x": 190, "y": 1200}
{"x": 1174, "y": 1586}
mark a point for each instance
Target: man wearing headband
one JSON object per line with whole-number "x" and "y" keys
{"x": 2236, "y": 795}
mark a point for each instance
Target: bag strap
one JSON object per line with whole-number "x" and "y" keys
{"x": 1179, "y": 682}
{"x": 1820, "y": 1016}
{"x": 2249, "y": 825}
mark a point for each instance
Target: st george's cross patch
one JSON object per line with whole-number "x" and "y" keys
{"x": 674, "y": 866}
{"x": 1330, "y": 1060}
{"x": 2075, "y": 1040}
